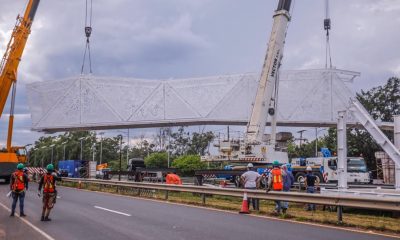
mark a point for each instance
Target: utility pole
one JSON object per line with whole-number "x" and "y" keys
{"x": 301, "y": 136}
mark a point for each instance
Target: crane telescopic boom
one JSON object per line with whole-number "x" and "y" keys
{"x": 8, "y": 79}
{"x": 266, "y": 87}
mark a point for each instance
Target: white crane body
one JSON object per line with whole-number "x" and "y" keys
{"x": 253, "y": 148}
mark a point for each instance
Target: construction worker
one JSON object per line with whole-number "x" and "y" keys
{"x": 310, "y": 182}
{"x": 18, "y": 186}
{"x": 48, "y": 182}
{"x": 275, "y": 182}
{"x": 172, "y": 178}
{"x": 288, "y": 181}
{"x": 251, "y": 180}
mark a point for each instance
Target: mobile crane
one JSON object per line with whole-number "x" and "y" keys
{"x": 253, "y": 148}
{"x": 8, "y": 81}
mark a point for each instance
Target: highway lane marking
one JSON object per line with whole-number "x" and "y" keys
{"x": 368, "y": 232}
{"x": 113, "y": 211}
{"x": 40, "y": 231}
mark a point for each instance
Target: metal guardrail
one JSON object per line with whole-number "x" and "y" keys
{"x": 379, "y": 203}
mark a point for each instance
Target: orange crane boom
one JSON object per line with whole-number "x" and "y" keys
{"x": 8, "y": 77}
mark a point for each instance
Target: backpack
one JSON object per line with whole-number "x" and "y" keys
{"x": 19, "y": 183}
{"x": 48, "y": 181}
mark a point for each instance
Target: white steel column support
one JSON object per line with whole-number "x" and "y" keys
{"x": 397, "y": 145}
{"x": 369, "y": 124}
{"x": 342, "y": 150}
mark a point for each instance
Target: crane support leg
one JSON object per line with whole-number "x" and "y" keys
{"x": 342, "y": 150}
{"x": 397, "y": 145}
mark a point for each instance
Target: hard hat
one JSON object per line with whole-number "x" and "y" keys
{"x": 20, "y": 166}
{"x": 275, "y": 163}
{"x": 50, "y": 167}
{"x": 309, "y": 169}
{"x": 250, "y": 165}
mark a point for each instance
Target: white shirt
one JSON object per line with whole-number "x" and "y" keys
{"x": 250, "y": 178}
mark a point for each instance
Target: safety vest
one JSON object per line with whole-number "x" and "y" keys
{"x": 48, "y": 184}
{"x": 19, "y": 183}
{"x": 277, "y": 183}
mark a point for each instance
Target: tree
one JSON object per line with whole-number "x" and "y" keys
{"x": 200, "y": 142}
{"x": 157, "y": 160}
{"x": 384, "y": 101}
{"x": 180, "y": 142}
{"x": 188, "y": 163}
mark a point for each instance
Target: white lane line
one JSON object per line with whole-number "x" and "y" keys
{"x": 113, "y": 211}
{"x": 47, "y": 236}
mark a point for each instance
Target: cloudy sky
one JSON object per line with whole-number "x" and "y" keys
{"x": 181, "y": 38}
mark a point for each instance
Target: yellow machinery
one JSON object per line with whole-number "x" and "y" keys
{"x": 8, "y": 81}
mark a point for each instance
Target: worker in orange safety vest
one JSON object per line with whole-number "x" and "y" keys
{"x": 18, "y": 186}
{"x": 172, "y": 178}
{"x": 275, "y": 182}
{"x": 48, "y": 182}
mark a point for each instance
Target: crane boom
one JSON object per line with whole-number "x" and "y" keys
{"x": 267, "y": 84}
{"x": 15, "y": 48}
{"x": 8, "y": 80}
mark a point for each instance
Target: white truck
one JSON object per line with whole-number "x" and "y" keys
{"x": 325, "y": 169}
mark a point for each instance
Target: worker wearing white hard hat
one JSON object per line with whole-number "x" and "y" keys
{"x": 310, "y": 182}
{"x": 251, "y": 180}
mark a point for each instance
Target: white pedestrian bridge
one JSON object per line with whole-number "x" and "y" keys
{"x": 306, "y": 98}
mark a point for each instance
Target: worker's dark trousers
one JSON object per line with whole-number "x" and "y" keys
{"x": 15, "y": 196}
{"x": 255, "y": 202}
{"x": 310, "y": 205}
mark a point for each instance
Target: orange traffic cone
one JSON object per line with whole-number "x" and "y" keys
{"x": 245, "y": 205}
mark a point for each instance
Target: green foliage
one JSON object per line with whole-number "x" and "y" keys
{"x": 114, "y": 165}
{"x": 157, "y": 160}
{"x": 384, "y": 101}
{"x": 182, "y": 143}
{"x": 188, "y": 163}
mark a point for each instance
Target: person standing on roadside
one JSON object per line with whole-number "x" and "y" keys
{"x": 48, "y": 182}
{"x": 288, "y": 181}
{"x": 251, "y": 180}
{"x": 18, "y": 186}
{"x": 275, "y": 182}
{"x": 310, "y": 181}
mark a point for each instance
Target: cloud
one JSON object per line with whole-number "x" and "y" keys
{"x": 181, "y": 38}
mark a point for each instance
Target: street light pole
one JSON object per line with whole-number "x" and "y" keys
{"x": 64, "y": 152}
{"x": 81, "y": 149}
{"x": 52, "y": 153}
{"x": 316, "y": 142}
{"x": 120, "y": 157}
{"x": 127, "y": 150}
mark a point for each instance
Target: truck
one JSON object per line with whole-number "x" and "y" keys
{"x": 73, "y": 168}
{"x": 325, "y": 169}
{"x": 12, "y": 155}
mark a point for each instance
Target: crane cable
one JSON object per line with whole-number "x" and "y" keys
{"x": 88, "y": 32}
{"x": 327, "y": 27}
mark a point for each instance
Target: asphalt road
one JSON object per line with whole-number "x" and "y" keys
{"x": 90, "y": 215}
